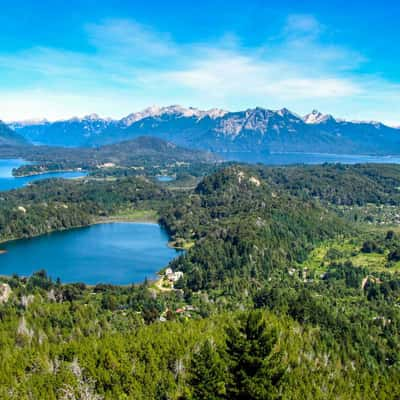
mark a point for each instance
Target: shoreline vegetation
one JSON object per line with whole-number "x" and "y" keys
{"x": 29, "y": 174}
{"x": 290, "y": 268}
{"x": 135, "y": 216}
{"x": 125, "y": 216}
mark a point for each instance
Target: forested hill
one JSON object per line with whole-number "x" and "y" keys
{"x": 339, "y": 184}
{"x": 139, "y": 152}
{"x": 280, "y": 297}
{"x": 151, "y": 148}
{"x": 247, "y": 229}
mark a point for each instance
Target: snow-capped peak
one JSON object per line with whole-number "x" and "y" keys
{"x": 92, "y": 117}
{"x": 156, "y": 111}
{"x": 27, "y": 122}
{"x": 315, "y": 117}
{"x": 214, "y": 113}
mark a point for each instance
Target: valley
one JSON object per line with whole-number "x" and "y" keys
{"x": 156, "y": 240}
{"x": 199, "y": 200}
{"x": 268, "y": 251}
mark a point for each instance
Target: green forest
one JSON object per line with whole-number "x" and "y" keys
{"x": 290, "y": 288}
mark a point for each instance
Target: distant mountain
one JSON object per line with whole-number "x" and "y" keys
{"x": 174, "y": 111}
{"x": 9, "y": 137}
{"x": 71, "y": 133}
{"x": 252, "y": 130}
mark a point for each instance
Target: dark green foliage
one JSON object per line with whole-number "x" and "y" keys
{"x": 394, "y": 255}
{"x": 255, "y": 371}
{"x": 59, "y": 204}
{"x": 208, "y": 373}
{"x": 370, "y": 246}
{"x": 390, "y": 235}
{"x": 143, "y": 152}
{"x": 339, "y": 184}
{"x": 238, "y": 325}
{"x": 246, "y": 230}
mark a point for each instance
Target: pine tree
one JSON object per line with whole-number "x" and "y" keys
{"x": 255, "y": 370}
{"x": 208, "y": 373}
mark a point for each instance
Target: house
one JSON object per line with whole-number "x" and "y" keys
{"x": 107, "y": 165}
{"x": 173, "y": 276}
{"x": 176, "y": 276}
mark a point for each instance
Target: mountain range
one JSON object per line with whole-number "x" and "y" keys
{"x": 251, "y": 130}
{"x": 8, "y": 137}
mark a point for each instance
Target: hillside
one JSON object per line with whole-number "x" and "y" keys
{"x": 143, "y": 152}
{"x": 258, "y": 130}
{"x": 270, "y": 304}
{"x": 8, "y": 137}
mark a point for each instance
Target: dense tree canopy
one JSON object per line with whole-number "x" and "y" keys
{"x": 283, "y": 295}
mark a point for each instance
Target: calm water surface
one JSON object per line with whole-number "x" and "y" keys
{"x": 165, "y": 178}
{"x": 117, "y": 253}
{"x": 8, "y": 182}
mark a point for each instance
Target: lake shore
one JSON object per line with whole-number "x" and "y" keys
{"x": 149, "y": 217}
{"x": 136, "y": 250}
{"x": 38, "y": 173}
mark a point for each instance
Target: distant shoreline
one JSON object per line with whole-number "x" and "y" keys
{"x": 101, "y": 221}
{"x": 105, "y": 220}
{"x": 110, "y": 220}
{"x": 56, "y": 171}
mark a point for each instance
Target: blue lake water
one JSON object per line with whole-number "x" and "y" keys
{"x": 165, "y": 178}
{"x": 305, "y": 158}
{"x": 8, "y": 182}
{"x": 116, "y": 253}
{"x": 119, "y": 253}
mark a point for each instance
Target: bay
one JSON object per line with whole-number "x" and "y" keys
{"x": 115, "y": 253}
{"x": 9, "y": 182}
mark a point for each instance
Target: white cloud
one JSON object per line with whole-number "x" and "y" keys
{"x": 131, "y": 66}
{"x": 129, "y": 39}
{"x": 227, "y": 74}
{"x": 302, "y": 24}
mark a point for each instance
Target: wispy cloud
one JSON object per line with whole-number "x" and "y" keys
{"x": 129, "y": 65}
{"x": 130, "y": 40}
{"x": 302, "y": 25}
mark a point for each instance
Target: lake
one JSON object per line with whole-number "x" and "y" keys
{"x": 116, "y": 253}
{"x": 305, "y": 158}
{"x": 165, "y": 178}
{"x": 8, "y": 181}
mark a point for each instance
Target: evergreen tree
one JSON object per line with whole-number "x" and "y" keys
{"x": 208, "y": 373}
{"x": 255, "y": 369}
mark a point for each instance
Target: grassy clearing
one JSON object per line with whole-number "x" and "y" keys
{"x": 135, "y": 215}
{"x": 333, "y": 251}
{"x": 182, "y": 244}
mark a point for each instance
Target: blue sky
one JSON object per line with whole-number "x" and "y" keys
{"x": 64, "y": 58}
